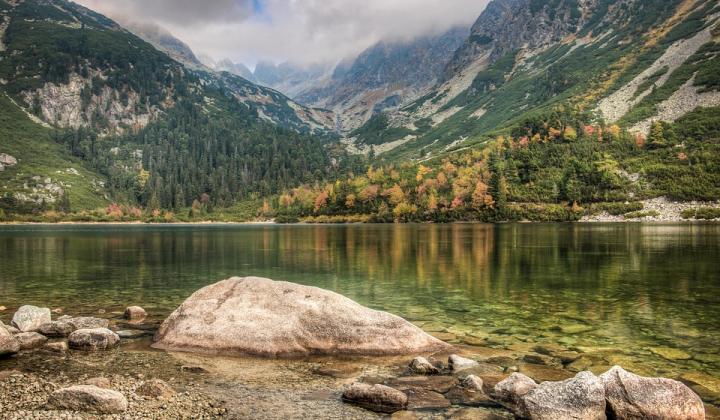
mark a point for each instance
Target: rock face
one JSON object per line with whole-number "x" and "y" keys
{"x": 632, "y": 396}
{"x": 30, "y": 340}
{"x": 93, "y": 339}
{"x": 582, "y": 397}
{"x": 8, "y": 344}
{"x": 135, "y": 313}
{"x": 259, "y": 316}
{"x": 88, "y": 398}
{"x": 30, "y": 318}
{"x": 378, "y": 398}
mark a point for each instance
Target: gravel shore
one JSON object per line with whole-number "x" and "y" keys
{"x": 659, "y": 210}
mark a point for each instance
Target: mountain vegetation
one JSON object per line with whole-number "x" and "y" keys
{"x": 543, "y": 111}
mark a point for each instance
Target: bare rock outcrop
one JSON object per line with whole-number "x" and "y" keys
{"x": 260, "y": 316}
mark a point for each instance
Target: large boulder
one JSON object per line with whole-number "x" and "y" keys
{"x": 93, "y": 339}
{"x": 581, "y": 397}
{"x": 88, "y": 398}
{"x": 378, "y": 398}
{"x": 8, "y": 344}
{"x": 29, "y": 318}
{"x": 634, "y": 397}
{"x": 259, "y": 316}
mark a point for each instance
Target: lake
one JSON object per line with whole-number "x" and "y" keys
{"x": 646, "y": 296}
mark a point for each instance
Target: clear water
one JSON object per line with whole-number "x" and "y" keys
{"x": 646, "y": 296}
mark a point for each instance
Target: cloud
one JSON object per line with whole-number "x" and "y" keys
{"x": 300, "y": 31}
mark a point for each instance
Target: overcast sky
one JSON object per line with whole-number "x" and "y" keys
{"x": 301, "y": 31}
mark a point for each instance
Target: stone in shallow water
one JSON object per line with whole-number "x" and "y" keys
{"x": 575, "y": 328}
{"x": 93, "y": 339}
{"x": 56, "y": 329}
{"x": 377, "y": 397}
{"x": 711, "y": 383}
{"x": 670, "y": 353}
{"x": 134, "y": 313}
{"x": 87, "y": 322}
{"x": 259, "y": 316}
{"x": 421, "y": 366}
{"x": 509, "y": 391}
{"x": 8, "y": 344}
{"x": 88, "y": 398}
{"x": 155, "y": 388}
{"x": 458, "y": 363}
{"x": 582, "y": 397}
{"x": 441, "y": 384}
{"x": 423, "y": 399}
{"x": 632, "y": 396}
{"x": 131, "y": 334}
{"x": 57, "y": 347}
{"x": 29, "y": 318}
{"x": 461, "y": 395}
{"x": 30, "y": 340}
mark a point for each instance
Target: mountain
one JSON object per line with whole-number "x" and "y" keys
{"x": 630, "y": 61}
{"x": 289, "y": 78}
{"x": 384, "y": 76}
{"x": 95, "y": 113}
{"x": 164, "y": 41}
{"x": 238, "y": 69}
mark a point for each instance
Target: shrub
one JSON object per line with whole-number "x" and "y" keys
{"x": 641, "y": 214}
{"x": 617, "y": 209}
{"x": 702, "y": 213}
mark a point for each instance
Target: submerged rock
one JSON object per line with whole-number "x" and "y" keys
{"x": 134, "y": 313}
{"x": 57, "y": 347}
{"x": 632, "y": 396}
{"x": 88, "y": 398}
{"x": 29, "y": 318}
{"x": 378, "y": 398}
{"x": 93, "y": 339}
{"x": 421, "y": 366}
{"x": 582, "y": 397}
{"x": 30, "y": 340}
{"x": 259, "y": 316}
{"x": 155, "y": 388}
{"x": 8, "y": 344}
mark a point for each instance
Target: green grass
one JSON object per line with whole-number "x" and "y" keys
{"x": 39, "y": 155}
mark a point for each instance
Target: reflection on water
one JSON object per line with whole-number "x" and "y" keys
{"x": 633, "y": 287}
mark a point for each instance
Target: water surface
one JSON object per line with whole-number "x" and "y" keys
{"x": 647, "y": 295}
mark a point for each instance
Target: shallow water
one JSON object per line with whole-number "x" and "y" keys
{"x": 646, "y": 296}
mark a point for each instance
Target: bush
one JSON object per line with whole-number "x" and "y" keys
{"x": 702, "y": 213}
{"x": 284, "y": 218}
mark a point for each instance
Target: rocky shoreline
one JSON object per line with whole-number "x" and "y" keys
{"x": 655, "y": 210}
{"x": 86, "y": 367}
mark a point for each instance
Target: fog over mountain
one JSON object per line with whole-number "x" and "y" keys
{"x": 302, "y": 32}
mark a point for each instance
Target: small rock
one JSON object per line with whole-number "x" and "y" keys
{"x": 30, "y": 340}
{"x": 424, "y": 399}
{"x": 670, "y": 353}
{"x": 56, "y": 329}
{"x": 582, "y": 397}
{"x": 93, "y": 339}
{"x": 57, "y": 311}
{"x": 632, "y": 396}
{"x": 88, "y": 398}
{"x": 2, "y": 308}
{"x": 155, "y": 388}
{"x": 472, "y": 382}
{"x": 29, "y": 318}
{"x": 421, "y": 366}
{"x": 511, "y": 390}
{"x": 99, "y": 382}
{"x": 379, "y": 398}
{"x": 135, "y": 313}
{"x": 458, "y": 363}
{"x": 8, "y": 344}
{"x": 56, "y": 347}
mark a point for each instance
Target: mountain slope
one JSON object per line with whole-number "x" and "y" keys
{"x": 524, "y": 56}
{"x": 152, "y": 131}
{"x": 384, "y": 76}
